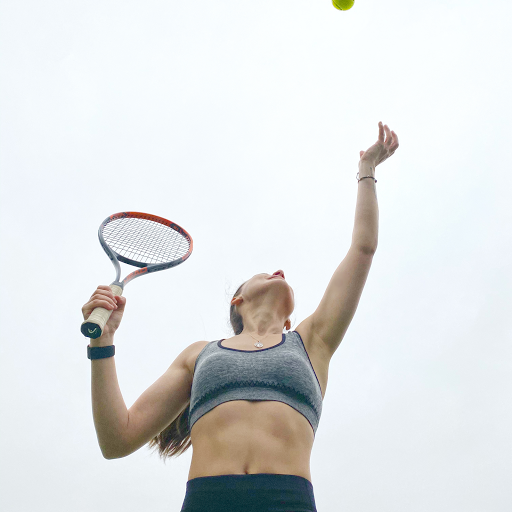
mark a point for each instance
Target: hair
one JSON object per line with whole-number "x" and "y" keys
{"x": 237, "y": 322}
{"x": 174, "y": 440}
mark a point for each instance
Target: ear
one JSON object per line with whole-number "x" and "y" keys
{"x": 236, "y": 301}
{"x": 288, "y": 325}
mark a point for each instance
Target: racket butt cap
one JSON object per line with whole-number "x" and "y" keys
{"x": 91, "y": 330}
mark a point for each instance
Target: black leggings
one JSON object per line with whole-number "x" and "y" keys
{"x": 261, "y": 492}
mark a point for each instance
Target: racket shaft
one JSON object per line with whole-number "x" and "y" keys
{"x": 94, "y": 325}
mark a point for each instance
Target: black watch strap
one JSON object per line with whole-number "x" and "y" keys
{"x": 100, "y": 352}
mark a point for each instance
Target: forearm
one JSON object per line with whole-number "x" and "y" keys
{"x": 366, "y": 223}
{"x": 109, "y": 410}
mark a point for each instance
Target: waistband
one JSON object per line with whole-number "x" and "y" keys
{"x": 257, "y": 481}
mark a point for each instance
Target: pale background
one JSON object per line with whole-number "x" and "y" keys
{"x": 243, "y": 122}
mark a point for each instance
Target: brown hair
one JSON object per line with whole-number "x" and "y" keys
{"x": 235, "y": 317}
{"x": 174, "y": 440}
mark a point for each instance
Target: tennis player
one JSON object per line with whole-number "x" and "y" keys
{"x": 249, "y": 405}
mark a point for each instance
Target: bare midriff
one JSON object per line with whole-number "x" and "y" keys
{"x": 244, "y": 437}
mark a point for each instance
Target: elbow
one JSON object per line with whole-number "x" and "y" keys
{"x": 368, "y": 249}
{"x": 114, "y": 445}
{"x": 112, "y": 452}
{"x": 109, "y": 454}
{"x": 117, "y": 452}
{"x": 366, "y": 245}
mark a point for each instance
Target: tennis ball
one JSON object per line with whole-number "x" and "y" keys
{"x": 343, "y": 5}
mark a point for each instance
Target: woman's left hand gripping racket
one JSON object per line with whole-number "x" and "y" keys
{"x": 141, "y": 240}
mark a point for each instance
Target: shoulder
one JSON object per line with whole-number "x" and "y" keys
{"x": 191, "y": 352}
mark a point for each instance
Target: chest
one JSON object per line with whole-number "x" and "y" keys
{"x": 318, "y": 358}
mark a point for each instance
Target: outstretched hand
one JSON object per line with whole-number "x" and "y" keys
{"x": 382, "y": 149}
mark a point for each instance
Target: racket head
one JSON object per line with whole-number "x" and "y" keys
{"x": 144, "y": 240}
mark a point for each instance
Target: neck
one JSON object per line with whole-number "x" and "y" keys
{"x": 263, "y": 323}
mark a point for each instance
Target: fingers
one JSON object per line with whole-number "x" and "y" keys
{"x": 103, "y": 287}
{"x": 392, "y": 142}
{"x": 391, "y": 138}
{"x": 106, "y": 294}
{"x": 102, "y": 297}
{"x": 395, "y": 145}
{"x": 382, "y": 149}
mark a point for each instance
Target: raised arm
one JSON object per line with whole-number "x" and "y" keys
{"x": 329, "y": 323}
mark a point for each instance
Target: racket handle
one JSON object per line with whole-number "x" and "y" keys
{"x": 93, "y": 326}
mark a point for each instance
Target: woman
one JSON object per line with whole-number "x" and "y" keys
{"x": 249, "y": 405}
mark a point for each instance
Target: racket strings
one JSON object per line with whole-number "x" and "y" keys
{"x": 158, "y": 244}
{"x": 145, "y": 241}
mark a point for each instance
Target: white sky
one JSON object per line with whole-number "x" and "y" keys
{"x": 243, "y": 122}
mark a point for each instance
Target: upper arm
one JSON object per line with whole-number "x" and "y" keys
{"x": 329, "y": 323}
{"x": 160, "y": 404}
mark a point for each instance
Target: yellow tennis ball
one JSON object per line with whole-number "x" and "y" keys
{"x": 343, "y": 5}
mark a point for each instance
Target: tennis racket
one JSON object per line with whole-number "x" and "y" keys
{"x": 142, "y": 240}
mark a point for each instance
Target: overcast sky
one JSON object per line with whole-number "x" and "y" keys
{"x": 243, "y": 122}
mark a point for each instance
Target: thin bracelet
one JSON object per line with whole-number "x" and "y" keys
{"x": 359, "y": 179}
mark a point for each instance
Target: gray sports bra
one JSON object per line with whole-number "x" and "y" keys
{"x": 282, "y": 373}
